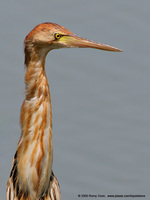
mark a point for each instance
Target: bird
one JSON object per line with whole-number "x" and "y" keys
{"x": 31, "y": 176}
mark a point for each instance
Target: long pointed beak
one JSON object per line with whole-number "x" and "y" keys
{"x": 73, "y": 41}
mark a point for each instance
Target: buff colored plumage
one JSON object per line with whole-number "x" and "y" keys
{"x": 31, "y": 176}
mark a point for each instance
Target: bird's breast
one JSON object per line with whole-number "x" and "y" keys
{"x": 35, "y": 154}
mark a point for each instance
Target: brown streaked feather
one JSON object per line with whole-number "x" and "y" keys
{"x": 16, "y": 192}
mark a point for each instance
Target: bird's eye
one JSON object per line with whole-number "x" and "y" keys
{"x": 57, "y": 36}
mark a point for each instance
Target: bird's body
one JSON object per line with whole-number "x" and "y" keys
{"x": 31, "y": 176}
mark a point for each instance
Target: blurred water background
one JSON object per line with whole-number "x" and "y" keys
{"x": 100, "y": 100}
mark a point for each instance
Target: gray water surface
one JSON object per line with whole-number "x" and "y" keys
{"x": 100, "y": 100}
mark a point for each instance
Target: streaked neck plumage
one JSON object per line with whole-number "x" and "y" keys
{"x": 34, "y": 152}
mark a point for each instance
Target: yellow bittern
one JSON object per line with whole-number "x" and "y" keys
{"x": 31, "y": 176}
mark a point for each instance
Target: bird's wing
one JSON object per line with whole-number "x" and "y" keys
{"x": 54, "y": 189}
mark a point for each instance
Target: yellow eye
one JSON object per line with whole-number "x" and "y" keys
{"x": 57, "y": 36}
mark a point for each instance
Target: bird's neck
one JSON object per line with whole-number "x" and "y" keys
{"x": 34, "y": 153}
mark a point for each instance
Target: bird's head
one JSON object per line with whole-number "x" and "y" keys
{"x": 47, "y": 36}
